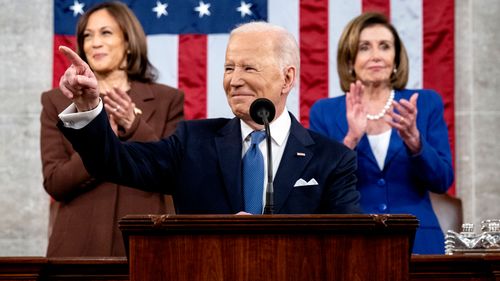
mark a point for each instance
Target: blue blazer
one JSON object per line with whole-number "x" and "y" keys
{"x": 403, "y": 185}
{"x": 200, "y": 165}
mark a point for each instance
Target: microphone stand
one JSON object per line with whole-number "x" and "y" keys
{"x": 262, "y": 110}
{"x": 269, "y": 207}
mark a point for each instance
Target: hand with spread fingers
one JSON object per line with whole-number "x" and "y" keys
{"x": 110, "y": 65}
{"x": 79, "y": 82}
{"x": 405, "y": 122}
{"x": 355, "y": 114}
{"x": 120, "y": 107}
{"x": 401, "y": 159}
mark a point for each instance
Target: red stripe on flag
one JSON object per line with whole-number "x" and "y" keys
{"x": 313, "y": 55}
{"x": 193, "y": 74}
{"x": 381, "y": 6}
{"x": 438, "y": 52}
{"x": 60, "y": 62}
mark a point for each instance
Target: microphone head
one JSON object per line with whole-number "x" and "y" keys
{"x": 261, "y": 109}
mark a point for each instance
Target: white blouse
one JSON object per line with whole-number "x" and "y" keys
{"x": 379, "y": 145}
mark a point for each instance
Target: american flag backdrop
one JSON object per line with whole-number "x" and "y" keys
{"x": 187, "y": 39}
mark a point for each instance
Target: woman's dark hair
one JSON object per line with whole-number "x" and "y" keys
{"x": 138, "y": 68}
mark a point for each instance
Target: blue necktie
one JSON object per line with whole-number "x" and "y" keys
{"x": 253, "y": 174}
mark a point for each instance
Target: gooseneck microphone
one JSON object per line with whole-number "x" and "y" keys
{"x": 262, "y": 112}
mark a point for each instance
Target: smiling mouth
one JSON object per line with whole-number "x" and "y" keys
{"x": 376, "y": 67}
{"x": 241, "y": 95}
{"x": 98, "y": 56}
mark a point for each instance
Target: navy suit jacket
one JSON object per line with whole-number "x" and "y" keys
{"x": 403, "y": 186}
{"x": 200, "y": 165}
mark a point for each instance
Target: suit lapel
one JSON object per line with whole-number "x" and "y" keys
{"x": 396, "y": 143}
{"x": 143, "y": 98}
{"x": 229, "y": 147}
{"x": 292, "y": 164}
{"x": 364, "y": 148}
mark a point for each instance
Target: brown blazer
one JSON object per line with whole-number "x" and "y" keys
{"x": 85, "y": 211}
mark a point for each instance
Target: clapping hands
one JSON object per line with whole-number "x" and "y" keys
{"x": 355, "y": 114}
{"x": 120, "y": 108}
{"x": 405, "y": 121}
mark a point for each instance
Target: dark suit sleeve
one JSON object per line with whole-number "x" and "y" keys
{"x": 148, "y": 166}
{"x": 341, "y": 195}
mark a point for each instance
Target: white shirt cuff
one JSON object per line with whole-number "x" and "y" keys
{"x": 71, "y": 118}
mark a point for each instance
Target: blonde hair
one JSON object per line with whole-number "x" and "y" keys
{"x": 348, "y": 49}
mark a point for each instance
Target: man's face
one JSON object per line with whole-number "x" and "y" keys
{"x": 252, "y": 71}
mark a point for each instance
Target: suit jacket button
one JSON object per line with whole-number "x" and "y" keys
{"x": 382, "y": 207}
{"x": 381, "y": 183}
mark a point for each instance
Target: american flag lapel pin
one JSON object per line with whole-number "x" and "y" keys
{"x": 301, "y": 154}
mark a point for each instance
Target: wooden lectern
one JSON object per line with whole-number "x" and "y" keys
{"x": 268, "y": 247}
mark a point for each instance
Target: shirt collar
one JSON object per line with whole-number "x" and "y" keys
{"x": 280, "y": 128}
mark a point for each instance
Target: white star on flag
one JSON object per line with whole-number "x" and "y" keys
{"x": 203, "y": 9}
{"x": 77, "y": 8}
{"x": 160, "y": 9}
{"x": 244, "y": 9}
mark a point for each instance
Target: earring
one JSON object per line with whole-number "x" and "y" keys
{"x": 395, "y": 70}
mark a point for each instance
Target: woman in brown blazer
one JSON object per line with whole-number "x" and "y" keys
{"x": 85, "y": 211}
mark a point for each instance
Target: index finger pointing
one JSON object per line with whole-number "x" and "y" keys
{"x": 73, "y": 57}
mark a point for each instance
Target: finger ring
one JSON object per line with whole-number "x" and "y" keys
{"x": 401, "y": 120}
{"x": 117, "y": 108}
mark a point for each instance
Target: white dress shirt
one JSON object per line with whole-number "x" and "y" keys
{"x": 280, "y": 130}
{"x": 71, "y": 118}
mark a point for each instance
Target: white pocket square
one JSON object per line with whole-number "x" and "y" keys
{"x": 302, "y": 182}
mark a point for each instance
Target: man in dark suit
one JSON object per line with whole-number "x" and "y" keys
{"x": 201, "y": 164}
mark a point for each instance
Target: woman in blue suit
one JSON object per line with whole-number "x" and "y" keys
{"x": 399, "y": 134}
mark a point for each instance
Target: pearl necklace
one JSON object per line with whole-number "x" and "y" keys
{"x": 384, "y": 110}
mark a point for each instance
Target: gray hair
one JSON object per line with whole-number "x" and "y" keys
{"x": 286, "y": 47}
